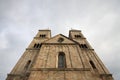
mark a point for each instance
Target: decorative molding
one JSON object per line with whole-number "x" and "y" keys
{"x": 14, "y": 74}
{"x": 59, "y": 43}
{"x": 105, "y": 75}
{"x": 32, "y": 48}
{"x": 41, "y": 38}
{"x": 60, "y": 39}
{"x": 79, "y": 38}
{"x": 75, "y": 30}
{"x": 91, "y": 49}
{"x": 45, "y": 30}
{"x": 60, "y": 69}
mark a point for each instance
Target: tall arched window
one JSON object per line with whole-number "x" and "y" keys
{"x": 61, "y": 60}
{"x": 28, "y": 64}
{"x": 92, "y": 64}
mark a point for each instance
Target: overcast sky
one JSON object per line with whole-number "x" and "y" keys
{"x": 99, "y": 21}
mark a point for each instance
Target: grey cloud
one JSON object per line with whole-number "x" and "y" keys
{"x": 99, "y": 21}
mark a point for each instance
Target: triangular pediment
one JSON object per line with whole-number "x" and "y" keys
{"x": 60, "y": 39}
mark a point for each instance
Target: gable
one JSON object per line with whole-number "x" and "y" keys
{"x": 59, "y": 39}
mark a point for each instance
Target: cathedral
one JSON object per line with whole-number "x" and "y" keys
{"x": 59, "y": 58}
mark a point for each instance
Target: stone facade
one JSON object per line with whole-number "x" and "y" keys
{"x": 59, "y": 58}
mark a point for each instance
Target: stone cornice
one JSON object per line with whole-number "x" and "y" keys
{"x": 32, "y": 48}
{"x": 105, "y": 75}
{"x": 60, "y": 69}
{"x": 59, "y": 43}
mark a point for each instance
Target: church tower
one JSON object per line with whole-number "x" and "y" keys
{"x": 59, "y": 58}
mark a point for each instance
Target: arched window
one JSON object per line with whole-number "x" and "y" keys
{"x": 61, "y": 60}
{"x": 35, "y": 45}
{"x": 92, "y": 64}
{"x": 42, "y": 35}
{"x": 77, "y": 36}
{"x": 83, "y": 46}
{"x": 28, "y": 64}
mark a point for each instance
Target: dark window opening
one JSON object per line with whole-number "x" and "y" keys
{"x": 61, "y": 60}
{"x": 92, "y": 64}
{"x": 42, "y": 35}
{"x": 77, "y": 36}
{"x": 83, "y": 46}
{"x": 37, "y": 45}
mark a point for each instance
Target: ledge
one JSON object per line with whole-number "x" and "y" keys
{"x": 59, "y": 43}
{"x": 44, "y": 30}
{"x": 74, "y": 30}
{"x": 14, "y": 74}
{"x": 60, "y": 69}
{"x": 89, "y": 49}
{"x": 105, "y": 75}
{"x": 41, "y": 38}
{"x": 78, "y": 38}
{"x": 32, "y": 48}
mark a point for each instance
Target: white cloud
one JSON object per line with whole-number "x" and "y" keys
{"x": 3, "y": 41}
